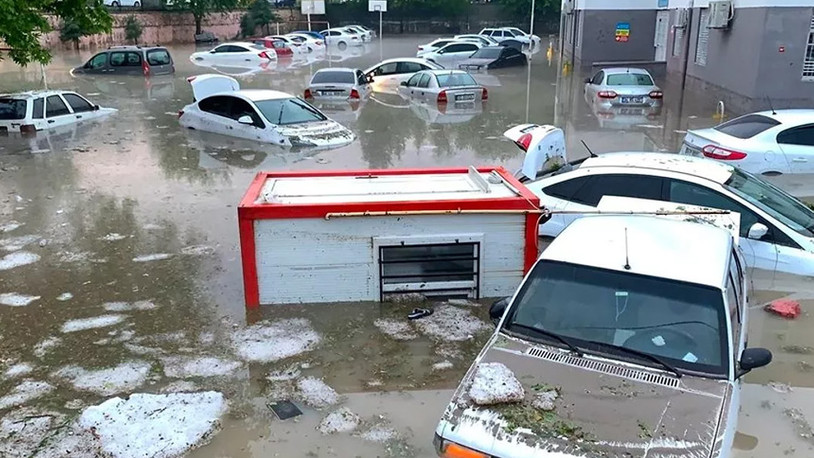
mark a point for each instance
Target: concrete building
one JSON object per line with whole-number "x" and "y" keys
{"x": 746, "y": 52}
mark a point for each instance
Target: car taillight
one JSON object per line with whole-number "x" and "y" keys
{"x": 28, "y": 129}
{"x": 524, "y": 141}
{"x": 656, "y": 94}
{"x": 606, "y": 95}
{"x": 722, "y": 154}
{"x": 485, "y": 95}
{"x": 145, "y": 68}
{"x": 263, "y": 55}
{"x": 180, "y": 113}
{"x": 354, "y": 94}
{"x": 191, "y": 79}
{"x": 307, "y": 94}
{"x": 442, "y": 97}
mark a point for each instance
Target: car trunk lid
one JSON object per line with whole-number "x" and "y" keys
{"x": 205, "y": 85}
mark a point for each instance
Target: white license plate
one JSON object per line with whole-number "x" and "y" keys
{"x": 464, "y": 97}
{"x": 687, "y": 151}
{"x": 632, "y": 99}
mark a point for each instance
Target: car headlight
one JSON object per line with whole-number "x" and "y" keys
{"x": 449, "y": 449}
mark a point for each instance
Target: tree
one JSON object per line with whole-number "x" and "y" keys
{"x": 202, "y": 8}
{"x": 544, "y": 10}
{"x": 23, "y": 22}
{"x": 132, "y": 29}
{"x": 261, "y": 14}
{"x": 247, "y": 25}
{"x": 70, "y": 31}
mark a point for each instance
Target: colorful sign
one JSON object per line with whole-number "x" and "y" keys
{"x": 664, "y": 3}
{"x": 622, "y": 32}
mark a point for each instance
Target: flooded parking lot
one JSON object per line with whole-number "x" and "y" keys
{"x": 119, "y": 249}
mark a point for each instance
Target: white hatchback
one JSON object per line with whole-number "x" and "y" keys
{"x": 28, "y": 112}
{"x": 449, "y": 55}
{"x": 768, "y": 142}
{"x": 221, "y": 107}
{"x": 235, "y": 52}
{"x": 389, "y": 74}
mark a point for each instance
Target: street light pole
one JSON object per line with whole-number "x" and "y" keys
{"x": 531, "y": 28}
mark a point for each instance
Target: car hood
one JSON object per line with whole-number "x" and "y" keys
{"x": 602, "y": 409}
{"x": 319, "y": 133}
{"x": 472, "y": 63}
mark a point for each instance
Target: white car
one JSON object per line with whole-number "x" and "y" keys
{"x": 534, "y": 39}
{"x": 433, "y": 46}
{"x": 341, "y": 38}
{"x": 274, "y": 117}
{"x": 776, "y": 229}
{"x": 483, "y": 39}
{"x": 363, "y": 34}
{"x": 370, "y": 31}
{"x": 298, "y": 47}
{"x": 235, "y": 52}
{"x": 118, "y": 3}
{"x": 502, "y": 35}
{"x": 309, "y": 42}
{"x": 449, "y": 55}
{"x": 338, "y": 84}
{"x": 28, "y": 112}
{"x": 389, "y": 74}
{"x": 768, "y": 142}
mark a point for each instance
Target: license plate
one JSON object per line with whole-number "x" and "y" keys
{"x": 464, "y": 97}
{"x": 687, "y": 150}
{"x": 632, "y": 99}
{"x": 328, "y": 92}
{"x": 630, "y": 111}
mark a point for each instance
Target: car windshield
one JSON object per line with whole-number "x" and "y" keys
{"x": 158, "y": 57}
{"x": 629, "y": 79}
{"x": 12, "y": 109}
{"x": 259, "y": 47}
{"x": 774, "y": 201}
{"x": 596, "y": 309}
{"x": 455, "y": 80}
{"x": 333, "y": 77}
{"x": 487, "y": 53}
{"x": 746, "y": 126}
{"x": 289, "y": 111}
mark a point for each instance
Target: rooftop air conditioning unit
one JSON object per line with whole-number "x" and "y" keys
{"x": 720, "y": 13}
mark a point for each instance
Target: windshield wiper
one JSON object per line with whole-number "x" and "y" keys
{"x": 308, "y": 108}
{"x": 574, "y": 349}
{"x": 648, "y": 356}
{"x": 280, "y": 118}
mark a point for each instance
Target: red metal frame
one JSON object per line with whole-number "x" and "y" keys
{"x": 249, "y": 210}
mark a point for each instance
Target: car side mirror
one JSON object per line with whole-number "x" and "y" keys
{"x": 245, "y": 119}
{"x": 587, "y": 81}
{"x": 96, "y": 108}
{"x": 753, "y": 358}
{"x": 757, "y": 231}
{"x": 498, "y": 308}
{"x": 403, "y": 83}
{"x": 212, "y": 52}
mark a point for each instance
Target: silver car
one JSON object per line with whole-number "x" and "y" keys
{"x": 442, "y": 87}
{"x": 612, "y": 87}
{"x": 338, "y": 84}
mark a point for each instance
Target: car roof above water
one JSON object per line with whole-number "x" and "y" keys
{"x": 618, "y": 70}
{"x": 32, "y": 94}
{"x": 650, "y": 245}
{"x": 696, "y": 166}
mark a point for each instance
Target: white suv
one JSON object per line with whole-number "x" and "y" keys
{"x": 28, "y": 112}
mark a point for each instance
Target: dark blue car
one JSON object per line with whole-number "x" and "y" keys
{"x": 312, "y": 34}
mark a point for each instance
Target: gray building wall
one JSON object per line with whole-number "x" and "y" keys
{"x": 598, "y": 42}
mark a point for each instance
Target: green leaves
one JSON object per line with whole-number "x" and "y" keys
{"x": 23, "y": 22}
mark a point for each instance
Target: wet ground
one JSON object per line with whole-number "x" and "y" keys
{"x": 134, "y": 220}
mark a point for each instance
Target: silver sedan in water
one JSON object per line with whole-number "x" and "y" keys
{"x": 612, "y": 87}
{"x": 442, "y": 87}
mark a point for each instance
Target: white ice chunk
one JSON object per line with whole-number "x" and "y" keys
{"x": 451, "y": 323}
{"x": 129, "y": 306}
{"x": 152, "y": 257}
{"x": 123, "y": 378}
{"x": 45, "y": 345}
{"x": 24, "y": 392}
{"x": 101, "y": 321}
{"x": 17, "y": 300}
{"x": 316, "y": 393}
{"x": 267, "y": 342}
{"x": 17, "y": 259}
{"x": 18, "y": 370}
{"x": 198, "y": 366}
{"x": 339, "y": 421}
{"x": 494, "y": 383}
{"x": 398, "y": 330}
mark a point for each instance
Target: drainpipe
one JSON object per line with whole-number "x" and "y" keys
{"x": 686, "y": 64}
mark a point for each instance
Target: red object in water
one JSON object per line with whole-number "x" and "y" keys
{"x": 786, "y": 308}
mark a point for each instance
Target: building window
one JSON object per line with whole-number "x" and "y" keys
{"x": 449, "y": 269}
{"x": 579, "y": 28}
{"x": 808, "y": 62}
{"x": 678, "y": 33}
{"x": 702, "y": 44}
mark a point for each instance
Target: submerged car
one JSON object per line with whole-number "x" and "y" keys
{"x": 336, "y": 83}
{"x": 221, "y": 107}
{"x": 28, "y": 112}
{"x": 389, "y": 74}
{"x": 622, "y": 87}
{"x": 443, "y": 86}
{"x": 279, "y": 47}
{"x": 492, "y": 57}
{"x": 768, "y": 142}
{"x": 235, "y": 52}
{"x": 129, "y": 60}
{"x": 450, "y": 54}
{"x": 623, "y": 340}
{"x": 776, "y": 229}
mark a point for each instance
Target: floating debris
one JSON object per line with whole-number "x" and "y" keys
{"x": 65, "y": 297}
{"x": 16, "y": 299}
{"x": 152, "y": 257}
{"x": 112, "y": 237}
{"x": 451, "y": 324}
{"x": 198, "y": 250}
{"x": 18, "y": 370}
{"x": 44, "y": 346}
{"x": 494, "y": 383}
{"x": 786, "y": 308}
{"x": 379, "y": 433}
{"x": 10, "y": 226}
{"x": 316, "y": 393}
{"x": 129, "y": 306}
{"x": 83, "y": 324}
{"x": 395, "y": 329}
{"x": 442, "y": 366}
{"x": 339, "y": 421}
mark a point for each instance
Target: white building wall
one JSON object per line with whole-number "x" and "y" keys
{"x": 318, "y": 260}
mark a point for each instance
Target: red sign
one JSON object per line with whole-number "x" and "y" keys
{"x": 781, "y": 49}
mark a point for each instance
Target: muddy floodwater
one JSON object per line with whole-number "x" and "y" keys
{"x": 120, "y": 266}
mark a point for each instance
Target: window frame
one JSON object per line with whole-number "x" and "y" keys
{"x": 105, "y": 64}
{"x": 793, "y": 130}
{"x": 41, "y": 102}
{"x": 87, "y": 109}
{"x": 62, "y": 101}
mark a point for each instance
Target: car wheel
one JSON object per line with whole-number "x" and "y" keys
{"x": 342, "y": 45}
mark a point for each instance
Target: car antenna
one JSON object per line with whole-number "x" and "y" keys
{"x": 768, "y": 99}
{"x": 589, "y": 149}
{"x": 627, "y": 255}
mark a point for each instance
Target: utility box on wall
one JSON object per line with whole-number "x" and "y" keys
{"x": 338, "y": 236}
{"x": 720, "y": 13}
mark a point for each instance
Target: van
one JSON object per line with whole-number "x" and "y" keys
{"x": 129, "y": 60}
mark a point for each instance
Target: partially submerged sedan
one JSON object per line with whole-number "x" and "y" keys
{"x": 221, "y": 107}
{"x": 622, "y": 87}
{"x": 338, "y": 84}
{"x": 622, "y": 341}
{"x": 492, "y": 57}
{"x": 443, "y": 86}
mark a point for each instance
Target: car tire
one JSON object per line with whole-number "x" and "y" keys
{"x": 342, "y": 46}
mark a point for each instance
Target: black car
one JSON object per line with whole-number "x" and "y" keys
{"x": 129, "y": 60}
{"x": 494, "y": 57}
{"x": 285, "y": 3}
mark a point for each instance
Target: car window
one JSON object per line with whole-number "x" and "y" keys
{"x": 39, "y": 108}
{"x": 12, "y": 108}
{"x": 621, "y": 185}
{"x": 425, "y": 80}
{"x": 596, "y": 308}
{"x": 158, "y": 57}
{"x": 597, "y": 79}
{"x": 487, "y": 53}
{"x": 413, "y": 81}
{"x": 684, "y": 192}
{"x": 460, "y": 47}
{"x": 133, "y": 59}
{"x": 98, "y": 61}
{"x": 629, "y": 79}
{"x": 117, "y": 59}
{"x": 78, "y": 104}
{"x": 456, "y": 80}
{"x": 289, "y": 111}
{"x": 510, "y": 52}
{"x": 746, "y": 126}
{"x": 331, "y": 76}
{"x": 802, "y": 136}
{"x": 239, "y": 108}
{"x": 410, "y": 67}
{"x": 360, "y": 78}
{"x": 567, "y": 189}
{"x": 54, "y": 106}
{"x": 388, "y": 69}
{"x": 125, "y": 59}
{"x": 217, "y": 105}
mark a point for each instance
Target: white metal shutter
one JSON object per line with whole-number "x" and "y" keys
{"x": 702, "y": 44}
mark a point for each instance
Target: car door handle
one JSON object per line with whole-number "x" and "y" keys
{"x": 50, "y": 121}
{"x": 78, "y": 116}
{"x": 799, "y": 159}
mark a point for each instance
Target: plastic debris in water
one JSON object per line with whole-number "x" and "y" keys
{"x": 787, "y": 308}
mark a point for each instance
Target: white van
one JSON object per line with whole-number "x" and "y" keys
{"x": 28, "y": 112}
